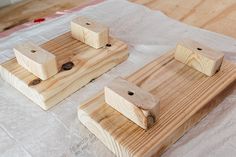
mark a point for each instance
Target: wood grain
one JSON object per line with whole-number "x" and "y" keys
{"x": 89, "y": 63}
{"x": 36, "y": 60}
{"x": 199, "y": 56}
{"x": 29, "y": 10}
{"x": 214, "y": 15}
{"x": 133, "y": 102}
{"x": 186, "y": 96}
{"x": 90, "y": 32}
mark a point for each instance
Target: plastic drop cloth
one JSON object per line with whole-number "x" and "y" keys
{"x": 28, "y": 131}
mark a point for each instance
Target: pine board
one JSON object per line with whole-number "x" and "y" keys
{"x": 208, "y": 14}
{"x": 185, "y": 95}
{"x": 89, "y": 63}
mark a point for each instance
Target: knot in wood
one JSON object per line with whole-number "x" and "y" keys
{"x": 35, "y": 82}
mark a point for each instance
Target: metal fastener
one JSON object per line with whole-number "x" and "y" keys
{"x": 67, "y": 66}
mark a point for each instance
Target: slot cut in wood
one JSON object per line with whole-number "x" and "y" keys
{"x": 36, "y": 60}
{"x": 198, "y": 56}
{"x": 90, "y": 32}
{"x": 133, "y": 102}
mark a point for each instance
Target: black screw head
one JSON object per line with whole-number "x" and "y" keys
{"x": 67, "y": 66}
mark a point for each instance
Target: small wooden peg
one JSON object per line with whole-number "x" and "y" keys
{"x": 200, "y": 57}
{"x": 133, "y": 102}
{"x": 36, "y": 60}
{"x": 90, "y": 32}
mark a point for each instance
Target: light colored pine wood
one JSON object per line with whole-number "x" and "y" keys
{"x": 90, "y": 32}
{"x": 133, "y": 102}
{"x": 186, "y": 96}
{"x": 28, "y": 10}
{"x": 208, "y": 14}
{"x": 198, "y": 56}
{"x": 89, "y": 63}
{"x": 36, "y": 60}
{"x": 220, "y": 15}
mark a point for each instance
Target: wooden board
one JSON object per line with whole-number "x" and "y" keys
{"x": 186, "y": 96}
{"x": 89, "y": 63}
{"x": 218, "y": 16}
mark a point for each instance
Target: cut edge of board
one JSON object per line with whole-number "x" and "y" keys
{"x": 85, "y": 77}
{"x": 121, "y": 151}
{"x": 192, "y": 119}
{"x": 38, "y": 99}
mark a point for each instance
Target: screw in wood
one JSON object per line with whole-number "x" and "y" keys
{"x": 67, "y": 66}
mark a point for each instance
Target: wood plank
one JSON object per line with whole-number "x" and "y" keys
{"x": 90, "y": 32}
{"x": 29, "y": 10}
{"x": 88, "y": 63}
{"x": 208, "y": 14}
{"x": 133, "y": 102}
{"x": 212, "y": 15}
{"x": 186, "y": 96}
{"x": 198, "y": 56}
{"x": 36, "y": 60}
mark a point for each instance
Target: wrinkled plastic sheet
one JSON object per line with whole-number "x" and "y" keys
{"x": 28, "y": 131}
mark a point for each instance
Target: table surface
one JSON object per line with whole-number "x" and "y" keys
{"x": 214, "y": 15}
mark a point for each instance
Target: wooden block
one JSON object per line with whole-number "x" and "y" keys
{"x": 90, "y": 32}
{"x": 133, "y": 102}
{"x": 36, "y": 60}
{"x": 198, "y": 56}
{"x": 78, "y": 64}
{"x": 185, "y": 97}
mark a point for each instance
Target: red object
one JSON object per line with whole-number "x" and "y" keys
{"x": 39, "y": 20}
{"x": 28, "y": 24}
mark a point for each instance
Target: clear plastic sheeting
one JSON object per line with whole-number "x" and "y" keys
{"x": 28, "y": 131}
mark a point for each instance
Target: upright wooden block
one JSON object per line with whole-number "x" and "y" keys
{"x": 185, "y": 97}
{"x": 36, "y": 60}
{"x": 90, "y": 32}
{"x": 133, "y": 102}
{"x": 77, "y": 62}
{"x": 200, "y": 57}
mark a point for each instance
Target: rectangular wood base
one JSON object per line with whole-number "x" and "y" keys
{"x": 186, "y": 96}
{"x": 88, "y": 64}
